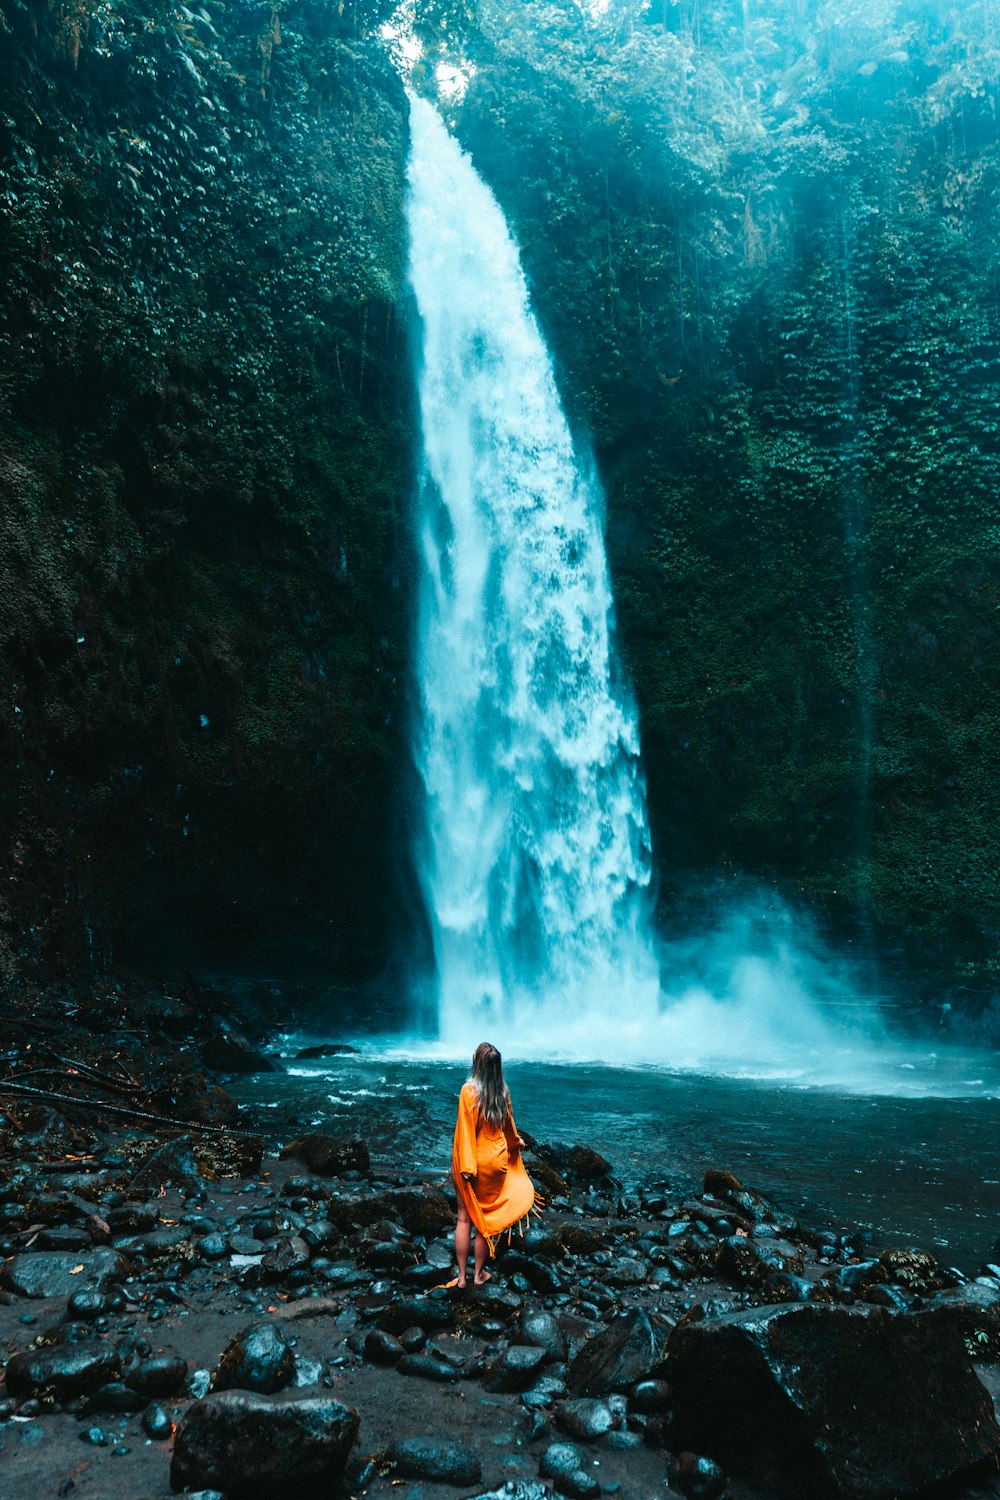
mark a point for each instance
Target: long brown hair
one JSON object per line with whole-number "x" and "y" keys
{"x": 487, "y": 1078}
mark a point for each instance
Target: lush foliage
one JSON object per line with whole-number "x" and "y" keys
{"x": 204, "y": 447}
{"x": 763, "y": 241}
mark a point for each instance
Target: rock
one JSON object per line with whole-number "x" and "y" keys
{"x": 518, "y": 1489}
{"x": 85, "y": 1306}
{"x": 437, "y": 1460}
{"x": 579, "y": 1163}
{"x": 830, "y": 1400}
{"x": 585, "y": 1418}
{"x": 616, "y": 1358}
{"x": 696, "y": 1477}
{"x": 626, "y": 1270}
{"x": 258, "y": 1359}
{"x": 427, "y": 1366}
{"x": 432, "y": 1313}
{"x": 559, "y": 1459}
{"x": 382, "y": 1349}
{"x": 230, "y": 1052}
{"x": 583, "y": 1239}
{"x": 541, "y": 1329}
{"x": 248, "y": 1444}
{"x": 62, "y": 1370}
{"x": 156, "y": 1424}
{"x": 213, "y": 1246}
{"x": 219, "y": 1155}
{"x": 760, "y": 1210}
{"x": 170, "y": 1165}
{"x": 51, "y": 1273}
{"x": 754, "y": 1260}
{"x": 328, "y": 1156}
{"x": 115, "y": 1397}
{"x": 95, "y": 1436}
{"x": 545, "y": 1177}
{"x": 324, "y": 1049}
{"x": 651, "y": 1397}
{"x": 159, "y": 1375}
{"x": 974, "y": 1309}
{"x": 515, "y": 1369}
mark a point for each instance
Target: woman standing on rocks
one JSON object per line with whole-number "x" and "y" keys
{"x": 494, "y": 1191}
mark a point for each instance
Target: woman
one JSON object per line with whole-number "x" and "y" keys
{"x": 494, "y": 1191}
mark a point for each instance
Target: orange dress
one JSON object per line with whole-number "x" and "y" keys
{"x": 501, "y": 1191}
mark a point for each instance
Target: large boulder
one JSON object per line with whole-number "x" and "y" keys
{"x": 40, "y": 1273}
{"x": 727, "y": 1188}
{"x": 616, "y": 1358}
{"x": 830, "y": 1401}
{"x": 248, "y": 1445}
{"x": 328, "y": 1156}
{"x": 62, "y": 1371}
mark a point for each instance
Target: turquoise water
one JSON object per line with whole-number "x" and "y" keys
{"x": 909, "y": 1154}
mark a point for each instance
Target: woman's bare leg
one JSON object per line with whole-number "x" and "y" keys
{"x": 463, "y": 1241}
{"x": 482, "y": 1250}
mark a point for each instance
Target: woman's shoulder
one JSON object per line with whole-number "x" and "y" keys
{"x": 469, "y": 1095}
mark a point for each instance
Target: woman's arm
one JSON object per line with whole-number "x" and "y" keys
{"x": 465, "y": 1133}
{"x": 514, "y": 1141}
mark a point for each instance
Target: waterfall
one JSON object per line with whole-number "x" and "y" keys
{"x": 536, "y": 864}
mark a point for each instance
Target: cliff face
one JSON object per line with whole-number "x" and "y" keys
{"x": 205, "y": 453}
{"x": 764, "y": 250}
{"x": 763, "y": 244}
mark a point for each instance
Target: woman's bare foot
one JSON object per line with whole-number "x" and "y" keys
{"x": 481, "y": 1280}
{"x": 460, "y": 1282}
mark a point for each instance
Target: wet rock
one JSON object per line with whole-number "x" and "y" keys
{"x": 564, "y": 1464}
{"x": 515, "y": 1369}
{"x": 258, "y": 1359}
{"x": 328, "y": 1156}
{"x": 559, "y": 1459}
{"x": 626, "y": 1270}
{"x": 115, "y": 1397}
{"x": 586, "y": 1418}
{"x": 171, "y": 1165}
{"x": 754, "y": 1260}
{"x": 231, "y": 1052}
{"x": 974, "y": 1310}
{"x": 52, "y": 1273}
{"x": 517, "y": 1489}
{"x": 830, "y": 1400}
{"x": 219, "y": 1156}
{"x": 545, "y": 1177}
{"x": 583, "y": 1239}
{"x": 156, "y": 1424}
{"x": 248, "y": 1444}
{"x": 323, "y": 1049}
{"x": 95, "y": 1436}
{"x": 213, "y": 1246}
{"x": 727, "y": 1188}
{"x": 435, "y": 1459}
{"x": 62, "y": 1371}
{"x": 651, "y": 1397}
{"x": 382, "y": 1349}
{"x": 159, "y": 1375}
{"x": 430, "y": 1313}
{"x": 616, "y": 1358}
{"x": 86, "y": 1306}
{"x": 541, "y": 1329}
{"x": 696, "y": 1477}
{"x": 427, "y": 1367}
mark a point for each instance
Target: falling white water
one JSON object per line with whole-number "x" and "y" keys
{"x": 537, "y": 863}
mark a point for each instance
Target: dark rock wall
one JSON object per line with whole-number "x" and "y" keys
{"x": 206, "y": 442}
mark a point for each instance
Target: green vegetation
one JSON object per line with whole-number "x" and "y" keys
{"x": 205, "y": 449}
{"x": 763, "y": 243}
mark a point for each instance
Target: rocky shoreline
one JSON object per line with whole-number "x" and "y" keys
{"x": 209, "y": 1310}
